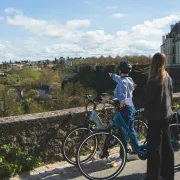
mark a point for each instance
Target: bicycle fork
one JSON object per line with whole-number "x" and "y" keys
{"x": 105, "y": 153}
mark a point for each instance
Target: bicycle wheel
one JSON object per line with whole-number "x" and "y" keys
{"x": 176, "y": 145}
{"x": 107, "y": 162}
{"x": 71, "y": 142}
{"x": 141, "y": 129}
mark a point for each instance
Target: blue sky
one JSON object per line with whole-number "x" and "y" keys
{"x": 41, "y": 29}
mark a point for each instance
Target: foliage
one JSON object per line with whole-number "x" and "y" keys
{"x": 13, "y": 160}
{"x": 8, "y": 105}
{"x": 47, "y": 77}
{"x": 76, "y": 102}
{"x": 65, "y": 95}
{"x": 176, "y": 106}
{"x": 70, "y": 96}
{"x": 77, "y": 89}
{"x": 32, "y": 93}
{"x": 30, "y": 106}
{"x": 102, "y": 60}
{"x": 29, "y": 73}
{"x": 23, "y": 77}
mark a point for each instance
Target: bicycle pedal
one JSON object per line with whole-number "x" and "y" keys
{"x": 132, "y": 153}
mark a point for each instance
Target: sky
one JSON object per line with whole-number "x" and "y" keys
{"x": 45, "y": 29}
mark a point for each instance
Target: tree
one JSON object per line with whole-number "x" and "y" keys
{"x": 30, "y": 106}
{"x": 48, "y": 76}
{"x": 62, "y": 62}
{"x": 55, "y": 61}
{"x": 47, "y": 61}
{"x": 44, "y": 64}
{"x": 8, "y": 105}
{"x": 32, "y": 93}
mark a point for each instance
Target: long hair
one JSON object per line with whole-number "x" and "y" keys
{"x": 157, "y": 70}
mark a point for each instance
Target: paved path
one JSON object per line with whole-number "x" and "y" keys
{"x": 134, "y": 170}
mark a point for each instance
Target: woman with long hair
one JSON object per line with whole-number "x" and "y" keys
{"x": 158, "y": 101}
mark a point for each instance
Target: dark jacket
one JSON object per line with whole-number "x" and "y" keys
{"x": 158, "y": 99}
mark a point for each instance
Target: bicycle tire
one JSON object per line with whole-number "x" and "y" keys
{"x": 176, "y": 145}
{"x": 65, "y": 148}
{"x": 141, "y": 129}
{"x": 95, "y": 134}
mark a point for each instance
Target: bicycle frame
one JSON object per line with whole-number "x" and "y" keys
{"x": 176, "y": 137}
{"x": 128, "y": 135}
{"x": 95, "y": 118}
{"x": 130, "y": 138}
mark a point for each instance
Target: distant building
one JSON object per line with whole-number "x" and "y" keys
{"x": 171, "y": 44}
{"x": 50, "y": 65}
{"x": 44, "y": 90}
{"x": 16, "y": 66}
{"x": 68, "y": 63}
{"x": 63, "y": 63}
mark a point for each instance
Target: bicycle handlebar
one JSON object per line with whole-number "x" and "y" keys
{"x": 90, "y": 99}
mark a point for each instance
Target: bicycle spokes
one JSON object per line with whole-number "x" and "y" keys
{"x": 106, "y": 160}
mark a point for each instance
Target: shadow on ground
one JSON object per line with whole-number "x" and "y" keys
{"x": 73, "y": 173}
{"x": 135, "y": 176}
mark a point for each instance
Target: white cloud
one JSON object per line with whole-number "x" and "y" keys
{"x": 47, "y": 28}
{"x": 1, "y": 18}
{"x": 76, "y": 23}
{"x": 39, "y": 27}
{"x": 13, "y": 10}
{"x": 143, "y": 39}
{"x": 117, "y": 15}
{"x": 32, "y": 49}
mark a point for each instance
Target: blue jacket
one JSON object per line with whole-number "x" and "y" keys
{"x": 124, "y": 88}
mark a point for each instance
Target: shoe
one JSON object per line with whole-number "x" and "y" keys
{"x": 104, "y": 154}
{"x": 116, "y": 163}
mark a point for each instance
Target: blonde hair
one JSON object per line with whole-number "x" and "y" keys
{"x": 157, "y": 69}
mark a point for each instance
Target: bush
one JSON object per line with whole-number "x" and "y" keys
{"x": 13, "y": 160}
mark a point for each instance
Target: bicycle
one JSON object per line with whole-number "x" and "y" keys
{"x": 175, "y": 137}
{"x": 109, "y": 160}
{"x": 75, "y": 136}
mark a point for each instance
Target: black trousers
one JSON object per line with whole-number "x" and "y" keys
{"x": 160, "y": 161}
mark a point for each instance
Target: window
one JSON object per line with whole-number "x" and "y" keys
{"x": 176, "y": 49}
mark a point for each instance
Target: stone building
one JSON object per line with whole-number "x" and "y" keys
{"x": 171, "y": 45}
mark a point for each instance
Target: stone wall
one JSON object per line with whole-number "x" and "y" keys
{"x": 174, "y": 72}
{"x": 97, "y": 77}
{"x": 42, "y": 133}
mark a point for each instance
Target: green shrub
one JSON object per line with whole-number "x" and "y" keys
{"x": 13, "y": 160}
